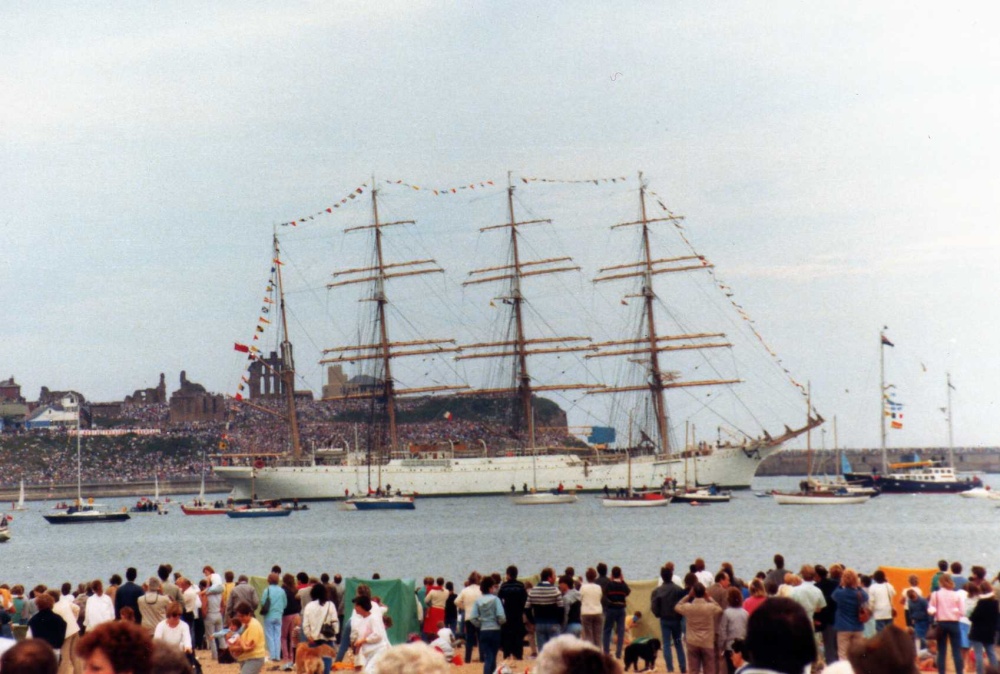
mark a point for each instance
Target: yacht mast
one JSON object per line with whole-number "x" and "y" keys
{"x": 883, "y": 393}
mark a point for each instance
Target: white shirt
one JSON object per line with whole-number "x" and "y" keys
{"x": 192, "y": 602}
{"x": 809, "y": 597}
{"x": 64, "y": 608}
{"x": 100, "y": 609}
{"x": 467, "y": 597}
{"x": 880, "y": 595}
{"x": 706, "y": 577}
{"x": 590, "y": 599}
{"x": 179, "y": 636}
{"x": 315, "y": 615}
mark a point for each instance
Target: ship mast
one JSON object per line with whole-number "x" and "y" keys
{"x": 384, "y": 350}
{"x": 521, "y": 347}
{"x": 287, "y": 362}
{"x": 652, "y": 344}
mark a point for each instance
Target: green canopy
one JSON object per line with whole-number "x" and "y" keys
{"x": 398, "y": 595}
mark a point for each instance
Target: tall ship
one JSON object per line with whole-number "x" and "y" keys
{"x": 378, "y": 457}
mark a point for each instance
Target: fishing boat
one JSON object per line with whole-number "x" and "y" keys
{"x": 928, "y": 476}
{"x": 81, "y": 512}
{"x": 19, "y": 506}
{"x": 447, "y": 469}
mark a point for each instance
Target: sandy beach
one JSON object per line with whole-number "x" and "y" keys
{"x": 520, "y": 667}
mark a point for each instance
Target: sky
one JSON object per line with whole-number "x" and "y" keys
{"x": 837, "y": 163}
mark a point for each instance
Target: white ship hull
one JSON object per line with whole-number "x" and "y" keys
{"x": 727, "y": 467}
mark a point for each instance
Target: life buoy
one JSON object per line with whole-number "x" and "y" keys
{"x": 259, "y": 463}
{"x": 223, "y": 445}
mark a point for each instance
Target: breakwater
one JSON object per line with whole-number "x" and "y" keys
{"x": 65, "y": 492}
{"x": 826, "y": 461}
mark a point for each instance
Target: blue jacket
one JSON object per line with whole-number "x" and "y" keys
{"x": 848, "y": 603}
{"x": 278, "y": 602}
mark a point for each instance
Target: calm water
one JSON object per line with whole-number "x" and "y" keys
{"x": 450, "y": 537}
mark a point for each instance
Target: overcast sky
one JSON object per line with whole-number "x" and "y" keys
{"x": 838, "y": 163}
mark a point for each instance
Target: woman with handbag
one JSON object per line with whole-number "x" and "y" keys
{"x": 852, "y": 612}
{"x": 319, "y": 617}
{"x": 272, "y": 605}
{"x": 947, "y": 607}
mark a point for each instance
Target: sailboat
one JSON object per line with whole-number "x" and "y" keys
{"x": 4, "y": 529}
{"x": 80, "y": 512}
{"x": 698, "y": 493}
{"x": 931, "y": 476}
{"x": 813, "y": 493}
{"x": 19, "y": 506}
{"x": 635, "y": 499}
{"x": 200, "y": 506}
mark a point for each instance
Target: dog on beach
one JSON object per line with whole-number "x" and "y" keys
{"x": 644, "y": 650}
{"x": 309, "y": 659}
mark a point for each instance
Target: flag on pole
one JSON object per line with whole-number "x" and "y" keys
{"x": 242, "y": 348}
{"x": 885, "y": 340}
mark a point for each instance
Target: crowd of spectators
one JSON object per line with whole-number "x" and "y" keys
{"x": 183, "y": 450}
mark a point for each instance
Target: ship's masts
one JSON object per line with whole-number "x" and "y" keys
{"x": 381, "y": 300}
{"x": 656, "y": 377}
{"x": 524, "y": 379}
{"x": 287, "y": 362}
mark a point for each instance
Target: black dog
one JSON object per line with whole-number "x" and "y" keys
{"x": 646, "y": 650}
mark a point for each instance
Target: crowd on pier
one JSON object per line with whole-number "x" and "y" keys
{"x": 781, "y": 621}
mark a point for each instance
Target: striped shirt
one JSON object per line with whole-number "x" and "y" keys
{"x": 546, "y": 603}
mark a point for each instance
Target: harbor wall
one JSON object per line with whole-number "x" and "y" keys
{"x": 67, "y": 492}
{"x": 825, "y": 462}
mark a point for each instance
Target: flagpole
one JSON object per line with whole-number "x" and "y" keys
{"x": 951, "y": 438}
{"x": 881, "y": 406}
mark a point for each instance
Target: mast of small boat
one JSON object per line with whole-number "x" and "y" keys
{"x": 809, "y": 447}
{"x": 79, "y": 469}
{"x": 837, "y": 451}
{"x": 882, "y": 397}
{"x": 20, "y": 498}
{"x": 156, "y": 487}
{"x": 201, "y": 492}
{"x": 687, "y": 451}
{"x": 951, "y": 437}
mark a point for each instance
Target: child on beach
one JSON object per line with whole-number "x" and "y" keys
{"x": 445, "y": 641}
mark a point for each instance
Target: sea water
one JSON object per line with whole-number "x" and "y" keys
{"x": 451, "y": 537}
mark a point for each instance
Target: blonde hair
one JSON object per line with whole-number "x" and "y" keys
{"x": 415, "y": 658}
{"x": 849, "y": 578}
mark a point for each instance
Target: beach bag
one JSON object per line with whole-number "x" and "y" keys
{"x": 864, "y": 611}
